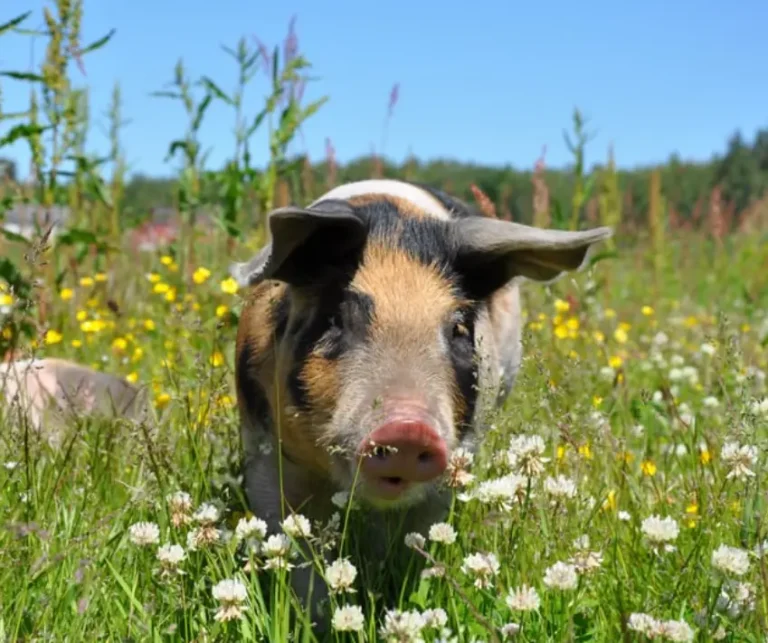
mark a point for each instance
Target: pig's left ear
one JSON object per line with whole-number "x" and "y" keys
{"x": 493, "y": 252}
{"x": 305, "y": 244}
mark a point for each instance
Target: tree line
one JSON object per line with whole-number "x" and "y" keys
{"x": 739, "y": 175}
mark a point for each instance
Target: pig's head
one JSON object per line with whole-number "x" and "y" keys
{"x": 379, "y": 330}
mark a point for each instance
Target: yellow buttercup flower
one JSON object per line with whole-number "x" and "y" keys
{"x": 615, "y": 362}
{"x": 217, "y": 359}
{"x": 53, "y": 337}
{"x": 201, "y": 275}
{"x": 162, "y": 400}
{"x": 648, "y": 468}
{"x": 229, "y": 286}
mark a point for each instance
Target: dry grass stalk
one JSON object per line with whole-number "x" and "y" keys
{"x": 541, "y": 214}
{"x": 484, "y": 203}
{"x": 330, "y": 157}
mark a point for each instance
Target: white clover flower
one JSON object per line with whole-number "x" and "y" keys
{"x": 523, "y": 599}
{"x": 676, "y": 631}
{"x": 482, "y": 567}
{"x": 739, "y": 459}
{"x": 502, "y": 492}
{"x": 759, "y": 407}
{"x": 525, "y": 455}
{"x": 252, "y": 527}
{"x": 583, "y": 560}
{"x": 340, "y": 575}
{"x": 457, "y": 471}
{"x": 401, "y": 626}
{"x": 341, "y": 500}
{"x": 707, "y": 349}
{"x": 202, "y": 537}
{"x": 231, "y": 593}
{"x": 442, "y": 532}
{"x": 277, "y": 549}
{"x": 607, "y": 373}
{"x": 180, "y": 501}
{"x": 561, "y": 576}
{"x": 435, "y": 618}
{"x": 508, "y": 630}
{"x": 660, "y": 339}
{"x": 710, "y": 402}
{"x": 277, "y": 545}
{"x": 731, "y": 560}
{"x": 415, "y": 539}
{"x": 207, "y": 514}
{"x": 297, "y": 526}
{"x": 660, "y": 530}
{"x": 644, "y": 624}
{"x": 624, "y": 516}
{"x": 742, "y": 598}
{"x": 348, "y": 618}
{"x": 180, "y": 504}
{"x": 582, "y": 542}
{"x": 171, "y": 556}
{"x": 144, "y": 533}
{"x": 560, "y": 487}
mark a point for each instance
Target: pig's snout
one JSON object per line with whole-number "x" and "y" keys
{"x": 400, "y": 453}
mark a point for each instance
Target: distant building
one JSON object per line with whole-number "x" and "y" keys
{"x": 23, "y": 219}
{"x": 7, "y": 170}
{"x": 161, "y": 229}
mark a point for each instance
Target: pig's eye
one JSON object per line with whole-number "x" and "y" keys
{"x": 460, "y": 330}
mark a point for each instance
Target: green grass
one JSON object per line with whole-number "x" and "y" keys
{"x": 69, "y": 570}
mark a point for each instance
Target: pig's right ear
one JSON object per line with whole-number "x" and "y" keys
{"x": 307, "y": 244}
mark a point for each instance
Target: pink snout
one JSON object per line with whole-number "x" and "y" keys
{"x": 400, "y": 453}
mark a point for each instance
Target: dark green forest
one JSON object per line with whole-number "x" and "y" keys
{"x": 741, "y": 172}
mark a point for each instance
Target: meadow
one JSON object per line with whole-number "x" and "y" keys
{"x": 619, "y": 495}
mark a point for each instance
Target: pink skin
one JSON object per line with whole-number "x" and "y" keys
{"x": 403, "y": 451}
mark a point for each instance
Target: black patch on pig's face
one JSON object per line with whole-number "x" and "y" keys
{"x": 334, "y": 321}
{"x": 459, "y": 332}
{"x": 250, "y": 390}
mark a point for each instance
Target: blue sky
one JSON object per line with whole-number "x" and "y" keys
{"x": 490, "y": 81}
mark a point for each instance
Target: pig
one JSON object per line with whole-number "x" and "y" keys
{"x": 50, "y": 391}
{"x": 380, "y": 325}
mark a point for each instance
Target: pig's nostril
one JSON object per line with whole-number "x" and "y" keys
{"x": 424, "y": 457}
{"x": 393, "y": 480}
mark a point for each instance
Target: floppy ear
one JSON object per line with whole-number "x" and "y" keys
{"x": 492, "y": 252}
{"x": 307, "y": 244}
